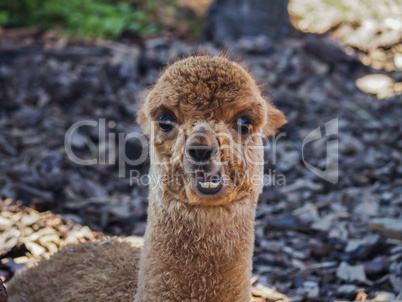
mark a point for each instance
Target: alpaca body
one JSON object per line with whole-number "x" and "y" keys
{"x": 104, "y": 271}
{"x": 201, "y": 248}
{"x": 204, "y": 254}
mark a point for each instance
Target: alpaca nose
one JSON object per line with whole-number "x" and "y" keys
{"x": 200, "y": 153}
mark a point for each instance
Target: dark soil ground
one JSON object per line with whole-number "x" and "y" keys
{"x": 315, "y": 241}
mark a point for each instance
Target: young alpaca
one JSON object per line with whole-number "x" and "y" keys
{"x": 206, "y": 120}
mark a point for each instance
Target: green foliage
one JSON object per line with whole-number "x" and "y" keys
{"x": 84, "y": 18}
{"x": 3, "y": 18}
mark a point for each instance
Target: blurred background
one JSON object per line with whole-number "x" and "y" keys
{"x": 66, "y": 61}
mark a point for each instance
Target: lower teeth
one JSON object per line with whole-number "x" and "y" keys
{"x": 209, "y": 185}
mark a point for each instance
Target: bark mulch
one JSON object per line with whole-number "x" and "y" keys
{"x": 315, "y": 241}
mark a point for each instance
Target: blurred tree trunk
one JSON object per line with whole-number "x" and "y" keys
{"x": 232, "y": 19}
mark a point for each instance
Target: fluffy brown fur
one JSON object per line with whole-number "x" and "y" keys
{"x": 197, "y": 247}
{"x": 87, "y": 272}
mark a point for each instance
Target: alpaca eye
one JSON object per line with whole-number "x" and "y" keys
{"x": 165, "y": 122}
{"x": 243, "y": 125}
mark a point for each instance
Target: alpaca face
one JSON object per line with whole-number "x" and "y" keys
{"x": 207, "y": 119}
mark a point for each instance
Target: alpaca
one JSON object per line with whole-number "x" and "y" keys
{"x": 206, "y": 120}
{"x": 3, "y": 292}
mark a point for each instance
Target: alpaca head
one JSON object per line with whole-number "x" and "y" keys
{"x": 206, "y": 119}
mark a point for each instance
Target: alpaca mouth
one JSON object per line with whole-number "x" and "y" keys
{"x": 208, "y": 184}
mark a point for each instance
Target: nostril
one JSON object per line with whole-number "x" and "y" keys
{"x": 192, "y": 153}
{"x": 200, "y": 153}
{"x": 208, "y": 154}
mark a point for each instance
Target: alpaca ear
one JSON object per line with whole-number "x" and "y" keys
{"x": 275, "y": 119}
{"x": 143, "y": 121}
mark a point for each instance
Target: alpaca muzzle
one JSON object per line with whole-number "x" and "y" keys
{"x": 203, "y": 161}
{"x": 202, "y": 152}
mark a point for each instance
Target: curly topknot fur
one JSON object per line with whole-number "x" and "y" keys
{"x": 197, "y": 247}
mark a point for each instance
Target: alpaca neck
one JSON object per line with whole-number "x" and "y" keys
{"x": 197, "y": 253}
